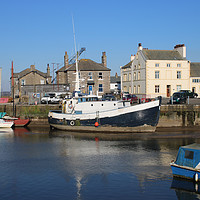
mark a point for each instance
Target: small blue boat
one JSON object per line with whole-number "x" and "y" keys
{"x": 187, "y": 164}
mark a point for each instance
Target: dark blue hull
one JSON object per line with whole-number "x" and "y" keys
{"x": 139, "y": 118}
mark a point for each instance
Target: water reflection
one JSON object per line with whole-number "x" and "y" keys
{"x": 44, "y": 164}
{"x": 186, "y": 189}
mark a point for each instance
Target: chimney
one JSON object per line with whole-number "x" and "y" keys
{"x": 116, "y": 75}
{"x": 140, "y": 47}
{"x": 104, "y": 59}
{"x": 32, "y": 67}
{"x": 48, "y": 70}
{"x": 132, "y": 57}
{"x": 66, "y": 60}
{"x": 181, "y": 48}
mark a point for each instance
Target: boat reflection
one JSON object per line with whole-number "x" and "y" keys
{"x": 8, "y": 131}
{"x": 21, "y": 131}
{"x": 186, "y": 189}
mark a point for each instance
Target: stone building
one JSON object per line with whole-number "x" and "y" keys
{"x": 94, "y": 77}
{"x": 29, "y": 77}
{"x": 195, "y": 77}
{"x": 152, "y": 73}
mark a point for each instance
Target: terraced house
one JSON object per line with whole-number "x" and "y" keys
{"x": 152, "y": 73}
{"x": 27, "y": 80}
{"x": 94, "y": 77}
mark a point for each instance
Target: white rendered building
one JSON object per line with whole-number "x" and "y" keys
{"x": 152, "y": 73}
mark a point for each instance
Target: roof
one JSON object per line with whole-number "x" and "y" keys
{"x": 27, "y": 71}
{"x": 86, "y": 65}
{"x": 127, "y": 65}
{"x": 114, "y": 79}
{"x": 192, "y": 146}
{"x": 194, "y": 69}
{"x": 162, "y": 55}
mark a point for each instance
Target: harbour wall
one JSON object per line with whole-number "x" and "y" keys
{"x": 170, "y": 115}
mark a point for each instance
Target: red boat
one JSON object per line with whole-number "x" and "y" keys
{"x": 17, "y": 121}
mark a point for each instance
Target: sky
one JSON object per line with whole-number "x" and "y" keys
{"x": 40, "y": 31}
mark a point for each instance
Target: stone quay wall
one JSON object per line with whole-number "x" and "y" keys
{"x": 170, "y": 115}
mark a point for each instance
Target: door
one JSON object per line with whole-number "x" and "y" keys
{"x": 90, "y": 89}
{"x": 168, "y": 90}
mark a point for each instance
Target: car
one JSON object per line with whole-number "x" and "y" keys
{"x": 189, "y": 93}
{"x": 108, "y": 97}
{"x": 50, "y": 99}
{"x": 178, "y": 98}
{"x": 131, "y": 97}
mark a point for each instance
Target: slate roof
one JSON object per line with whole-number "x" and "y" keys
{"x": 162, "y": 55}
{"x": 27, "y": 71}
{"x": 127, "y": 65}
{"x": 194, "y": 69}
{"x": 114, "y": 79}
{"x": 86, "y": 65}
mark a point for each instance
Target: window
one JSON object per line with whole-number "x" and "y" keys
{"x": 196, "y": 80}
{"x": 138, "y": 75}
{"x": 90, "y": 75}
{"x": 168, "y": 65}
{"x": 134, "y": 89}
{"x": 125, "y": 89}
{"x": 100, "y": 75}
{"x": 23, "y": 82}
{"x": 157, "y": 88}
{"x": 129, "y": 76}
{"x": 178, "y": 65}
{"x": 156, "y": 64}
{"x": 41, "y": 81}
{"x": 138, "y": 89}
{"x": 79, "y": 75}
{"x": 157, "y": 74}
{"x": 129, "y": 90}
{"x": 125, "y": 77}
{"x": 134, "y": 67}
{"x": 189, "y": 154}
{"x": 100, "y": 87}
{"x": 178, "y": 87}
{"x": 139, "y": 66}
{"x": 178, "y": 74}
{"x": 134, "y": 76}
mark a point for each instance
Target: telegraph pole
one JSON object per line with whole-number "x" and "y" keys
{"x": 57, "y": 76}
{"x": 53, "y": 74}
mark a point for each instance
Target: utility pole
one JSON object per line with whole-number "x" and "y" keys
{"x": 57, "y": 76}
{"x": 53, "y": 74}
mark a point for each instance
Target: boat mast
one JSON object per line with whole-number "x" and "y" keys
{"x": 77, "y": 86}
{"x": 13, "y": 91}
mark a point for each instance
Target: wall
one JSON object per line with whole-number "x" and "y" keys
{"x": 170, "y": 115}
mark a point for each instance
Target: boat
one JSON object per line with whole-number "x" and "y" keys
{"x": 87, "y": 113}
{"x": 4, "y": 124}
{"x": 17, "y": 121}
{"x": 187, "y": 163}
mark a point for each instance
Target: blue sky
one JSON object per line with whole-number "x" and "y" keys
{"x": 40, "y": 31}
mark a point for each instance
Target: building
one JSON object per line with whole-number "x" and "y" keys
{"x": 30, "y": 77}
{"x": 94, "y": 77}
{"x": 195, "y": 77}
{"x": 115, "y": 84}
{"x": 152, "y": 73}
